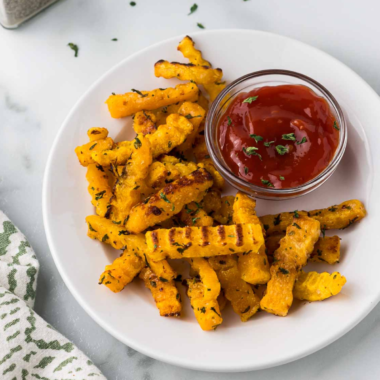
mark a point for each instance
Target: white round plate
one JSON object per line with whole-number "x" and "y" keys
{"x": 265, "y": 340}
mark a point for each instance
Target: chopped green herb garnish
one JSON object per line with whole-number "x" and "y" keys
{"x": 256, "y": 137}
{"x": 336, "y": 126}
{"x": 114, "y": 39}
{"x": 200, "y": 26}
{"x": 282, "y": 178}
{"x": 74, "y": 47}
{"x": 296, "y": 225}
{"x": 139, "y": 92}
{"x": 163, "y": 279}
{"x": 124, "y": 232}
{"x": 91, "y": 228}
{"x": 250, "y": 99}
{"x": 283, "y": 271}
{"x": 251, "y": 151}
{"x": 132, "y": 3}
{"x": 296, "y": 215}
{"x": 137, "y": 144}
{"x": 193, "y": 220}
{"x": 289, "y": 136}
{"x": 302, "y": 141}
{"x": 203, "y": 310}
{"x": 188, "y": 116}
{"x": 245, "y": 310}
{"x": 245, "y": 170}
{"x": 281, "y": 149}
{"x": 99, "y": 195}
{"x": 193, "y": 8}
{"x": 213, "y": 309}
{"x": 267, "y": 183}
{"x": 93, "y": 146}
{"x": 104, "y": 238}
{"x": 229, "y": 121}
{"x": 163, "y": 196}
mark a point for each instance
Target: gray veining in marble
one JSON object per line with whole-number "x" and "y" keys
{"x": 40, "y": 81}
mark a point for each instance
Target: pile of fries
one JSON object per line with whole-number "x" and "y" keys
{"x": 154, "y": 202}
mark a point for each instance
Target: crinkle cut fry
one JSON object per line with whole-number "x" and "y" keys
{"x": 165, "y": 293}
{"x": 118, "y": 237}
{"x": 241, "y": 295}
{"x": 170, "y": 135}
{"x": 193, "y": 242}
{"x": 168, "y": 201}
{"x": 313, "y": 286}
{"x": 187, "y": 48}
{"x": 335, "y": 217}
{"x": 132, "y": 102}
{"x": 122, "y": 271}
{"x": 144, "y": 122}
{"x": 326, "y": 249}
{"x": 254, "y": 267}
{"x": 98, "y": 142}
{"x": 127, "y": 190}
{"x": 203, "y": 295}
{"x": 162, "y": 141}
{"x": 187, "y": 71}
{"x": 292, "y": 255}
{"x": 195, "y": 114}
{"x": 99, "y": 187}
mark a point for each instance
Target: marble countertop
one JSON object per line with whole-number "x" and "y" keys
{"x": 40, "y": 81}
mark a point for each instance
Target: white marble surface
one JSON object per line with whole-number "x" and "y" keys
{"x": 40, "y": 80}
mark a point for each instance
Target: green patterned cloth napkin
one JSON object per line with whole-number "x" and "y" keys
{"x": 29, "y": 347}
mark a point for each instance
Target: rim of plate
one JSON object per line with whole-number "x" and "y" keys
{"x": 183, "y": 362}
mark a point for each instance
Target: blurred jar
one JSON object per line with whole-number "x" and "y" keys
{"x": 14, "y": 12}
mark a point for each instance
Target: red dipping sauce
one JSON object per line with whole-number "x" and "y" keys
{"x": 278, "y": 136}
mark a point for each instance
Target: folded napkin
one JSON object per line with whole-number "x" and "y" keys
{"x": 30, "y": 348}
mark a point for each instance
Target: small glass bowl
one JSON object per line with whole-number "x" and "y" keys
{"x": 247, "y": 83}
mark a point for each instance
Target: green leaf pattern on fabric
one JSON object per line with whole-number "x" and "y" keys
{"x": 29, "y": 347}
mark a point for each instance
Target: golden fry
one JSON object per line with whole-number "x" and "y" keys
{"x": 122, "y": 271}
{"x": 170, "y": 135}
{"x": 193, "y": 215}
{"x": 99, "y": 187}
{"x": 183, "y": 71}
{"x": 144, "y": 123}
{"x": 326, "y": 249}
{"x": 127, "y": 187}
{"x": 132, "y": 102}
{"x": 186, "y": 47}
{"x": 334, "y": 217}
{"x": 98, "y": 142}
{"x": 241, "y": 295}
{"x": 168, "y": 201}
{"x": 119, "y": 155}
{"x": 292, "y": 255}
{"x": 163, "y": 112}
{"x": 165, "y": 293}
{"x": 212, "y": 202}
{"x": 254, "y": 267}
{"x": 177, "y": 243}
{"x": 225, "y": 213}
{"x": 202, "y": 156}
{"x": 313, "y": 286}
{"x": 195, "y": 114}
{"x": 203, "y": 295}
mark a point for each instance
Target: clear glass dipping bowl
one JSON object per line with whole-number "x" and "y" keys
{"x": 247, "y": 83}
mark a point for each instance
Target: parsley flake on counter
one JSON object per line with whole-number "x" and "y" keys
{"x": 200, "y": 25}
{"x": 132, "y": 3}
{"x": 193, "y": 8}
{"x": 114, "y": 39}
{"x": 74, "y": 47}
